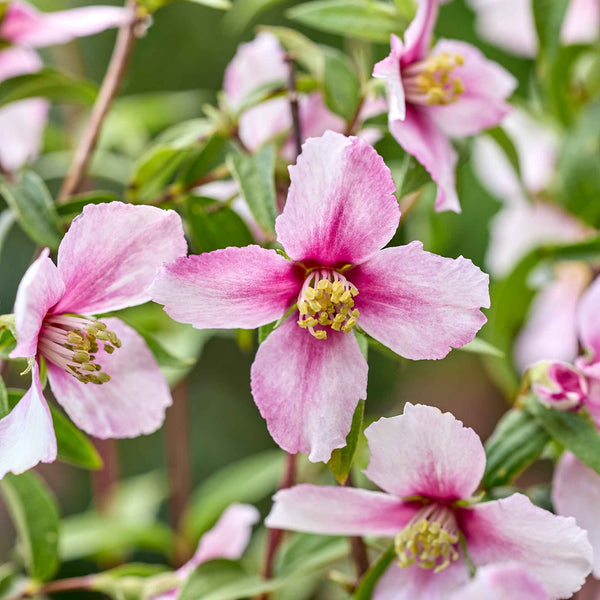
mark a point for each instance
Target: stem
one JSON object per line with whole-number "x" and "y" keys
{"x": 358, "y": 549}
{"x": 293, "y": 98}
{"x": 275, "y": 536}
{"x": 105, "y": 481}
{"x": 108, "y": 90}
{"x": 355, "y": 118}
{"x": 178, "y": 460}
{"x": 62, "y": 585}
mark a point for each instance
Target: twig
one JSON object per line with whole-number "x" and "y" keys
{"x": 355, "y": 118}
{"x": 178, "y": 460}
{"x": 126, "y": 38}
{"x": 62, "y": 585}
{"x": 275, "y": 536}
{"x": 358, "y": 549}
{"x": 293, "y": 98}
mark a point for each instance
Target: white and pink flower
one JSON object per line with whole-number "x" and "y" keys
{"x": 429, "y": 466}
{"x": 100, "y": 370}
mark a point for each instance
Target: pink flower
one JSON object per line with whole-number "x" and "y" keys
{"x": 450, "y": 90}
{"x": 100, "y": 371}
{"x": 227, "y": 539}
{"x": 510, "y": 24}
{"x": 22, "y": 123}
{"x": 310, "y": 373}
{"x": 429, "y": 465}
{"x": 558, "y": 385}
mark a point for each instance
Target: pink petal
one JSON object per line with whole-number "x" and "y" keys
{"x": 389, "y": 70}
{"x": 553, "y": 549}
{"x": 425, "y": 452}
{"x": 27, "y": 433}
{"x": 264, "y": 121}
{"x": 341, "y": 206}
{"x": 581, "y": 23}
{"x": 26, "y": 26}
{"x": 132, "y": 403}
{"x": 21, "y": 130}
{"x": 316, "y": 118}
{"x": 419, "y": 304}
{"x": 40, "y": 289}
{"x": 235, "y": 287}
{"x": 508, "y": 24}
{"x": 517, "y": 230}
{"x": 417, "y": 37}
{"x": 110, "y": 255}
{"x": 550, "y": 331}
{"x": 307, "y": 389}
{"x": 502, "y": 582}
{"x": 588, "y": 319}
{"x": 338, "y": 511}
{"x": 576, "y": 493}
{"x": 18, "y": 61}
{"x": 255, "y": 63}
{"x": 419, "y": 135}
{"x": 483, "y": 103}
{"x": 414, "y": 583}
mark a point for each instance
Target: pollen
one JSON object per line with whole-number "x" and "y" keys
{"x": 327, "y": 300}
{"x": 72, "y": 343}
{"x": 433, "y": 81}
{"x": 430, "y": 540}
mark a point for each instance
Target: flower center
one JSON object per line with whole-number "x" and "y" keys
{"x": 327, "y": 300}
{"x": 430, "y": 81}
{"x": 71, "y": 343}
{"x": 430, "y": 540}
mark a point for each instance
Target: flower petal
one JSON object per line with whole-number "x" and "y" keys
{"x": 338, "y": 511}
{"x": 235, "y": 287}
{"x": 307, "y": 389}
{"x": 132, "y": 403}
{"x": 419, "y": 304}
{"x": 588, "y": 319}
{"x": 21, "y": 129}
{"x": 388, "y": 69}
{"x": 487, "y": 85}
{"x": 414, "y": 583}
{"x": 110, "y": 255}
{"x": 581, "y": 22}
{"x": 26, "y": 26}
{"x": 18, "y": 61}
{"x": 417, "y": 37}
{"x": 551, "y": 548}
{"x": 499, "y": 582}
{"x": 576, "y": 493}
{"x": 341, "y": 206}
{"x": 419, "y": 135}
{"x": 27, "y": 433}
{"x": 40, "y": 289}
{"x": 262, "y": 122}
{"x": 550, "y": 331}
{"x": 425, "y": 452}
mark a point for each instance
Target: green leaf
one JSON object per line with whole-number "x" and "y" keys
{"x": 7, "y": 220}
{"x": 7, "y": 342}
{"x": 265, "y": 330}
{"x": 4, "y": 405}
{"x": 243, "y": 13}
{"x": 47, "y": 83}
{"x": 255, "y": 175}
{"x": 517, "y": 442}
{"x": 363, "y": 19}
{"x": 219, "y": 4}
{"x": 260, "y": 473}
{"x": 572, "y": 430}
{"x": 207, "y": 156}
{"x": 341, "y": 85}
{"x": 75, "y": 204}
{"x": 506, "y": 144}
{"x": 548, "y": 16}
{"x": 261, "y": 93}
{"x": 135, "y": 581}
{"x": 307, "y": 553}
{"x": 366, "y": 587}
{"x": 213, "y": 225}
{"x": 33, "y": 208}
{"x": 34, "y": 512}
{"x": 479, "y": 346}
{"x": 341, "y": 459}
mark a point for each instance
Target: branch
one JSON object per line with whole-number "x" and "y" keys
{"x": 126, "y": 38}
{"x": 293, "y": 98}
{"x": 360, "y": 558}
{"x": 62, "y": 585}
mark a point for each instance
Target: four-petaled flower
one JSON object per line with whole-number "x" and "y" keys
{"x": 100, "y": 370}
{"x": 309, "y": 374}
{"x": 450, "y": 90}
{"x": 429, "y": 465}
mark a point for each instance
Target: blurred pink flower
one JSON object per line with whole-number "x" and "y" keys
{"x": 310, "y": 373}
{"x": 100, "y": 371}
{"x": 558, "y": 385}
{"x": 450, "y": 90}
{"x": 510, "y": 24}
{"x": 227, "y": 539}
{"x": 22, "y": 123}
{"x": 429, "y": 465}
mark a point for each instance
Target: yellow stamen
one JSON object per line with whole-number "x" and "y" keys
{"x": 433, "y": 81}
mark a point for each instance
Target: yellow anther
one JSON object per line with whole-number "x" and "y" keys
{"x": 321, "y": 334}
